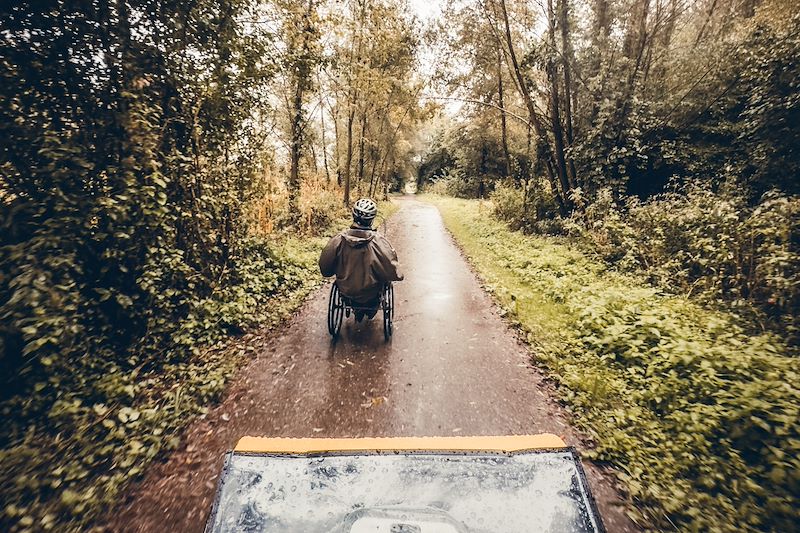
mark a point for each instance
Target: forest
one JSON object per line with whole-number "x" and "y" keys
{"x": 170, "y": 170}
{"x": 666, "y": 132}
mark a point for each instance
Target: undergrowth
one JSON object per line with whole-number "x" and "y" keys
{"x": 717, "y": 246}
{"x": 699, "y": 418}
{"x": 70, "y": 449}
{"x": 106, "y": 424}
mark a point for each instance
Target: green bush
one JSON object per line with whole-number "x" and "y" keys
{"x": 456, "y": 183}
{"x": 508, "y": 205}
{"x": 242, "y": 299}
{"x": 697, "y": 413}
{"x": 531, "y": 208}
{"x": 94, "y": 420}
{"x": 437, "y": 186}
{"x": 320, "y": 207}
{"x": 705, "y": 243}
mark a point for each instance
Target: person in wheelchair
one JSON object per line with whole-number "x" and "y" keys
{"x": 362, "y": 261}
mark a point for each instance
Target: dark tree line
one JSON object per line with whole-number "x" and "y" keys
{"x": 125, "y": 160}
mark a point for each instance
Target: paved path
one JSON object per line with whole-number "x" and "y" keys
{"x": 453, "y": 367}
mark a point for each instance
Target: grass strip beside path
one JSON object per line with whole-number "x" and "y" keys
{"x": 699, "y": 419}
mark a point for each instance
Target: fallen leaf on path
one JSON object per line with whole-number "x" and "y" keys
{"x": 372, "y": 402}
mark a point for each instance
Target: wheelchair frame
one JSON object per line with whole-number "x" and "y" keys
{"x": 339, "y": 307}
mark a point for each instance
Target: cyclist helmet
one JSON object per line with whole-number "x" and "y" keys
{"x": 364, "y": 211}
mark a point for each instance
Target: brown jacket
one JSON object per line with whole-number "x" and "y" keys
{"x": 362, "y": 260}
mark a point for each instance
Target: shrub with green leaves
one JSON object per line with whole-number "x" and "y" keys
{"x": 531, "y": 208}
{"x": 712, "y": 244}
{"x": 95, "y": 421}
{"x": 454, "y": 182}
{"x": 698, "y": 414}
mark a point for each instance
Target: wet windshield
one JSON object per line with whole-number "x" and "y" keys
{"x": 405, "y": 493}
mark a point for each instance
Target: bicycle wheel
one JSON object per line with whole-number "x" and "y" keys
{"x": 388, "y": 311}
{"x": 335, "y": 311}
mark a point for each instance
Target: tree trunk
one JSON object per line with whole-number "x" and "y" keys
{"x": 302, "y": 78}
{"x": 349, "y": 158}
{"x": 294, "y": 168}
{"x": 503, "y": 124}
{"x": 702, "y": 31}
{"x": 336, "y": 143}
{"x": 376, "y": 152}
{"x": 361, "y": 141}
{"x": 353, "y": 60}
{"x": 635, "y": 43}
{"x": 566, "y": 57}
{"x": 322, "y": 127}
{"x": 313, "y": 158}
{"x": 600, "y": 35}
{"x": 563, "y": 200}
{"x": 602, "y": 27}
{"x": 555, "y": 112}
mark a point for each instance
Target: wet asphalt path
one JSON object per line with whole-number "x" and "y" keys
{"x": 453, "y": 367}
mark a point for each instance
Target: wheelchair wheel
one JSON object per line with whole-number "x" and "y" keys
{"x": 335, "y": 311}
{"x": 388, "y": 310}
